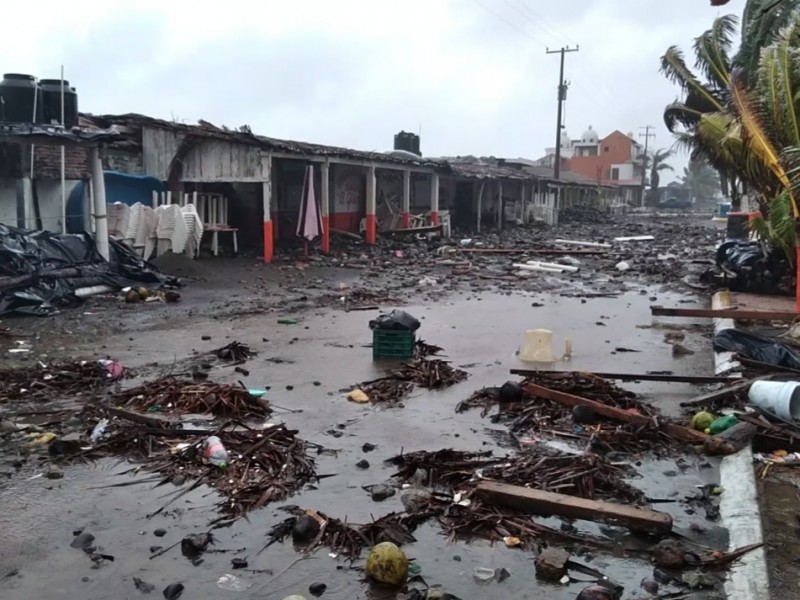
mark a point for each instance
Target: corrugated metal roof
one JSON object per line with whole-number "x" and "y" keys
{"x": 49, "y": 134}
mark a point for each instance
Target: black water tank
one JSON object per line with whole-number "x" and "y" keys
{"x": 408, "y": 142}
{"x": 18, "y": 94}
{"x": 51, "y": 99}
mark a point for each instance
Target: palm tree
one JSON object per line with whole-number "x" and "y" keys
{"x": 656, "y": 162}
{"x": 720, "y": 118}
{"x": 700, "y": 179}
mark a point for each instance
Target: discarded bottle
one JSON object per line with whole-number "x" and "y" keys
{"x": 99, "y": 431}
{"x": 215, "y": 453}
{"x": 721, "y": 424}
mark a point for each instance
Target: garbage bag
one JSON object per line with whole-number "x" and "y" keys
{"x": 756, "y": 347}
{"x": 397, "y": 320}
{"x": 40, "y": 270}
{"x": 749, "y": 267}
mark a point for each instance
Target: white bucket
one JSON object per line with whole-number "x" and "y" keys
{"x": 538, "y": 346}
{"x": 780, "y": 398}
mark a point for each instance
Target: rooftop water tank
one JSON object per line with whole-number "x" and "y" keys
{"x": 20, "y": 99}
{"x": 408, "y": 142}
{"x": 51, "y": 99}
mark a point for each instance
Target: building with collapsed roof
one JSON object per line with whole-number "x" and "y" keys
{"x": 250, "y": 186}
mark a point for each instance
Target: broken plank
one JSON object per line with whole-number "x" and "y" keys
{"x": 684, "y": 434}
{"x": 572, "y": 507}
{"x": 611, "y": 412}
{"x": 705, "y": 399}
{"x": 698, "y": 379}
{"x": 724, "y": 313}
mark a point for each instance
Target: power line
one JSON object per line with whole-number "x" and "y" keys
{"x": 507, "y": 22}
{"x": 535, "y": 24}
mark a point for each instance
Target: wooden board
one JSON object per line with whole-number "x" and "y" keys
{"x": 611, "y": 412}
{"x": 636, "y": 376}
{"x": 572, "y": 507}
{"x": 679, "y": 432}
{"x": 725, "y": 313}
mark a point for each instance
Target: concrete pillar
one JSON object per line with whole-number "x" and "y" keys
{"x": 325, "y": 192}
{"x": 500, "y": 205}
{"x": 406, "y": 199}
{"x": 372, "y": 219}
{"x": 266, "y": 191}
{"x": 99, "y": 188}
{"x": 434, "y": 199}
{"x": 524, "y": 202}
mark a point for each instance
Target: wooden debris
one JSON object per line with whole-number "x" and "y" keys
{"x": 638, "y": 376}
{"x": 264, "y": 466}
{"x": 549, "y": 503}
{"x": 42, "y": 382}
{"x": 725, "y": 313}
{"x": 731, "y": 440}
{"x": 172, "y": 395}
{"x": 234, "y": 352}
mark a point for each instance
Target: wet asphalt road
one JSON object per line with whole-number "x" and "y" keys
{"x": 480, "y": 332}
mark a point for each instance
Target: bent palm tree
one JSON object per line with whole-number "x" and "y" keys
{"x": 656, "y": 162}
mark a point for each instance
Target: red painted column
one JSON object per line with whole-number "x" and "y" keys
{"x": 326, "y": 234}
{"x": 434, "y": 199}
{"x": 371, "y": 220}
{"x": 434, "y": 218}
{"x": 269, "y": 242}
{"x": 406, "y": 220}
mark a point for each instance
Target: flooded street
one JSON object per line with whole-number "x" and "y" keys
{"x": 327, "y": 352}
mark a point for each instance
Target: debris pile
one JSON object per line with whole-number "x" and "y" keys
{"x": 264, "y": 465}
{"x": 173, "y": 395}
{"x": 235, "y": 352}
{"x": 431, "y": 374}
{"x": 43, "y": 382}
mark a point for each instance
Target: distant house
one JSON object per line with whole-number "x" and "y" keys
{"x": 613, "y": 160}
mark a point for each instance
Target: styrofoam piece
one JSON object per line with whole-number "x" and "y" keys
{"x": 582, "y": 243}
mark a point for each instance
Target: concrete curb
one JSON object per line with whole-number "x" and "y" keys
{"x": 739, "y": 503}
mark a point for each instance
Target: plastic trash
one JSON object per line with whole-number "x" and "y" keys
{"x": 756, "y": 347}
{"x": 721, "y": 424}
{"x": 257, "y": 393}
{"x": 483, "y": 574}
{"x": 232, "y": 583}
{"x": 286, "y": 321}
{"x": 358, "y": 396}
{"x": 114, "y": 369}
{"x": 99, "y": 431}
{"x": 397, "y": 320}
{"x": 215, "y": 453}
{"x": 622, "y": 266}
{"x": 778, "y": 398}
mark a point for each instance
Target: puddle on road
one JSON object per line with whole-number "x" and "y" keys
{"x": 486, "y": 330}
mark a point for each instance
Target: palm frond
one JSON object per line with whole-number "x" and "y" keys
{"x": 762, "y": 20}
{"x": 673, "y": 66}
{"x": 712, "y": 50}
{"x": 759, "y": 143}
{"x": 778, "y": 83}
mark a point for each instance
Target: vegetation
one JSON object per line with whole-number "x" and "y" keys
{"x": 656, "y": 162}
{"x": 700, "y": 179}
{"x": 740, "y": 110}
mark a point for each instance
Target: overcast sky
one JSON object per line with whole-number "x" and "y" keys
{"x": 471, "y": 74}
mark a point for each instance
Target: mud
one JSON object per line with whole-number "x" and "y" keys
{"x": 306, "y": 367}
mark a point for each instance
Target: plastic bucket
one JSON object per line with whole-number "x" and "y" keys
{"x": 780, "y": 398}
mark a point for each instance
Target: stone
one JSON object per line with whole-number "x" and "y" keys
{"x": 551, "y": 564}
{"x": 367, "y": 447}
{"x": 82, "y": 540}
{"x": 239, "y": 563}
{"x": 382, "y": 492}
{"x": 362, "y": 464}
{"x": 160, "y": 532}
{"x": 53, "y": 472}
{"x": 195, "y": 544}
{"x": 415, "y": 499}
{"x": 173, "y": 591}
{"x": 305, "y": 529}
{"x": 595, "y": 592}
{"x": 668, "y": 554}
{"x": 650, "y": 586}
{"x": 317, "y": 589}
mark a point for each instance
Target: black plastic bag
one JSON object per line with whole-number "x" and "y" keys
{"x": 397, "y": 320}
{"x": 756, "y": 347}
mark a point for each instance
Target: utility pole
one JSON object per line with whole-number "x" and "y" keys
{"x": 646, "y": 135}
{"x": 562, "y": 95}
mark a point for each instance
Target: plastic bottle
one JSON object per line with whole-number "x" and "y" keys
{"x": 215, "y": 453}
{"x": 721, "y": 424}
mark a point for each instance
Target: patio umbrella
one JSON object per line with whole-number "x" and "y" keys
{"x": 309, "y": 222}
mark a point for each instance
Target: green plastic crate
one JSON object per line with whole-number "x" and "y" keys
{"x": 393, "y": 344}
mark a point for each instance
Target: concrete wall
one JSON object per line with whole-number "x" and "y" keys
{"x": 8, "y": 202}
{"x": 49, "y": 194}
